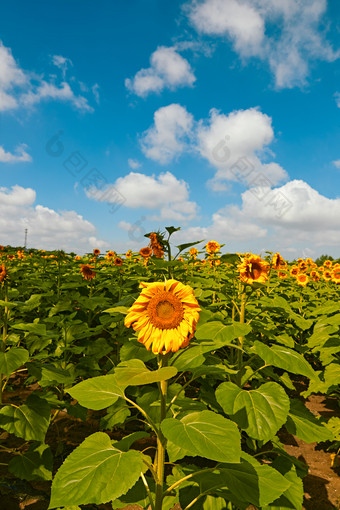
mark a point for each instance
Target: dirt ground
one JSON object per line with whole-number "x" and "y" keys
{"x": 322, "y": 484}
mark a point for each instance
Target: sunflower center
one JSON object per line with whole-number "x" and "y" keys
{"x": 165, "y": 310}
{"x": 255, "y": 271}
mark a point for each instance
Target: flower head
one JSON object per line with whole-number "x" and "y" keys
{"x": 87, "y": 272}
{"x": 118, "y": 261}
{"x": 110, "y": 255}
{"x": 302, "y": 279}
{"x": 278, "y": 262}
{"x": 3, "y": 273}
{"x": 165, "y": 314}
{"x": 212, "y": 247}
{"x": 96, "y": 252}
{"x": 253, "y": 269}
{"x": 145, "y": 252}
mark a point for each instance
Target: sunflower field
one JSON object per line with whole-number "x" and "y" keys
{"x": 179, "y": 374}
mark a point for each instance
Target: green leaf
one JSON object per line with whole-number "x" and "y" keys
{"x": 303, "y": 424}
{"x": 134, "y": 372}
{"x": 117, "y": 309}
{"x": 252, "y": 482}
{"x": 35, "y": 464}
{"x": 206, "y": 434}
{"x": 292, "y": 498}
{"x": 38, "y": 329}
{"x": 95, "y": 472}
{"x": 230, "y": 258}
{"x": 285, "y": 358}
{"x": 261, "y": 412}
{"x": 185, "y": 246}
{"x": 171, "y": 230}
{"x": 220, "y": 334}
{"x": 29, "y": 421}
{"x": 97, "y": 392}
{"x": 116, "y": 415}
{"x": 135, "y": 350}
{"x": 12, "y": 359}
{"x": 124, "y": 444}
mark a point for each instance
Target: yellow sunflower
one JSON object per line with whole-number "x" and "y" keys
{"x": 327, "y": 275}
{"x": 302, "y": 279}
{"x": 165, "y": 314}
{"x": 336, "y": 274}
{"x": 294, "y": 271}
{"x": 328, "y": 264}
{"x": 253, "y": 269}
{"x": 278, "y": 261}
{"x": 212, "y": 247}
{"x": 282, "y": 275}
{"x": 87, "y": 272}
{"x": 96, "y": 252}
{"x": 315, "y": 275}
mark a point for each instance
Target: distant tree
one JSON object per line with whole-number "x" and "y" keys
{"x": 319, "y": 261}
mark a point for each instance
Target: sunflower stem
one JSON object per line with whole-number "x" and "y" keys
{"x": 241, "y": 338}
{"x": 161, "y": 440}
{"x": 4, "y": 336}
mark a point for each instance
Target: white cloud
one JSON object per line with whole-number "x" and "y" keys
{"x": 134, "y": 164}
{"x": 19, "y": 88}
{"x": 20, "y": 155}
{"x": 337, "y": 99}
{"x": 167, "y": 137}
{"x": 286, "y": 33}
{"x": 165, "y": 193}
{"x": 168, "y": 70}
{"x": 294, "y": 219}
{"x": 336, "y": 163}
{"x": 47, "y": 229}
{"x": 236, "y": 145}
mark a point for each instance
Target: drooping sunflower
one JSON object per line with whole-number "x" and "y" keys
{"x": 278, "y": 261}
{"x": 165, "y": 314}
{"x": 302, "y": 279}
{"x": 87, "y": 272}
{"x": 212, "y": 247}
{"x": 253, "y": 269}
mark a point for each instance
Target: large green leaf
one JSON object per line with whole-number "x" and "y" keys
{"x": 98, "y": 392}
{"x": 304, "y": 424}
{"x": 252, "y": 482}
{"x": 12, "y": 359}
{"x": 212, "y": 336}
{"x": 206, "y": 434}
{"x": 30, "y": 421}
{"x": 38, "y": 329}
{"x": 261, "y": 412}
{"x": 95, "y": 472}
{"x": 285, "y": 358}
{"x": 292, "y": 498}
{"x": 134, "y": 372}
{"x": 35, "y": 464}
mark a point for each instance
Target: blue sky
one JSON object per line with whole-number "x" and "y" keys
{"x": 218, "y": 116}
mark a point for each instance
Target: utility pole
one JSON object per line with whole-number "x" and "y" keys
{"x": 26, "y": 230}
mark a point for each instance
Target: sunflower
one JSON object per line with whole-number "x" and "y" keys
{"x": 282, "y": 275}
{"x": 253, "y": 269}
{"x": 278, "y": 261}
{"x": 165, "y": 314}
{"x": 328, "y": 264}
{"x": 128, "y": 254}
{"x": 327, "y": 275}
{"x": 145, "y": 252}
{"x": 96, "y": 252}
{"x": 294, "y": 271}
{"x": 336, "y": 274}
{"x": 77, "y": 257}
{"x": 212, "y": 247}
{"x": 1, "y": 247}
{"x": 302, "y": 279}
{"x": 193, "y": 252}
{"x": 118, "y": 261}
{"x": 315, "y": 275}
{"x": 88, "y": 274}
{"x": 110, "y": 255}
{"x": 3, "y": 273}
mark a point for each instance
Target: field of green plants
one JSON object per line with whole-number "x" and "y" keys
{"x": 194, "y": 362}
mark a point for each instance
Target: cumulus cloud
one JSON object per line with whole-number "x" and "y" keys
{"x": 294, "y": 219}
{"x": 20, "y": 155}
{"x": 168, "y": 69}
{"x": 236, "y": 145}
{"x": 249, "y": 24}
{"x": 164, "y": 193}
{"x": 47, "y": 229}
{"x": 19, "y": 88}
{"x": 336, "y": 163}
{"x": 168, "y": 136}
{"x": 337, "y": 99}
